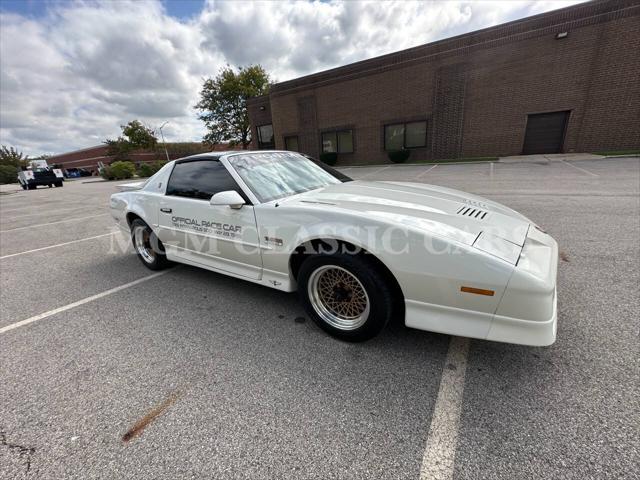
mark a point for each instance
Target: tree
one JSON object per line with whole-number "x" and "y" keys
{"x": 10, "y": 161}
{"x": 9, "y": 156}
{"x": 135, "y": 136}
{"x": 223, "y": 106}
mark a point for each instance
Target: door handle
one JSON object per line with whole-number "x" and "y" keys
{"x": 166, "y": 210}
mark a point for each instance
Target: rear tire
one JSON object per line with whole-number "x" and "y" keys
{"x": 345, "y": 295}
{"x": 148, "y": 247}
{"x": 59, "y": 184}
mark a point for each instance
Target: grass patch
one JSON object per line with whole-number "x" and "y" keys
{"x": 612, "y": 153}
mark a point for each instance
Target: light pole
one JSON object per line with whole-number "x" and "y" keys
{"x": 163, "y": 142}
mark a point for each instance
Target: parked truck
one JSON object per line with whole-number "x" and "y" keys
{"x": 37, "y": 173}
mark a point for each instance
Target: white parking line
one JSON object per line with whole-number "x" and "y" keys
{"x": 4, "y": 205}
{"x": 440, "y": 451}
{"x": 374, "y": 172}
{"x": 427, "y": 171}
{"x": 44, "y": 315}
{"x": 57, "y": 245}
{"x": 53, "y": 212}
{"x": 581, "y": 169}
{"x": 53, "y": 223}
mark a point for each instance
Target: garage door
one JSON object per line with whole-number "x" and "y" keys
{"x": 545, "y": 133}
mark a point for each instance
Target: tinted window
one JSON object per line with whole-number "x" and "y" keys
{"x": 345, "y": 141}
{"x": 394, "y": 137}
{"x": 405, "y": 135}
{"x": 291, "y": 143}
{"x": 265, "y": 136}
{"x": 340, "y": 141}
{"x": 329, "y": 142}
{"x": 415, "y": 135}
{"x": 200, "y": 179}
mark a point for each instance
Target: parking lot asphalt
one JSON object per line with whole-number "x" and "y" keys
{"x": 235, "y": 382}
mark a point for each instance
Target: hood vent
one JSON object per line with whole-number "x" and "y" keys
{"x": 472, "y": 212}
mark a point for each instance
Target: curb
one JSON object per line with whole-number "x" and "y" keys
{"x": 474, "y": 162}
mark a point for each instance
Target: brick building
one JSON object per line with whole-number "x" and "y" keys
{"x": 563, "y": 81}
{"x": 89, "y": 158}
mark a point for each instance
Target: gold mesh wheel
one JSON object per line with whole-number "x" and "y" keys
{"x": 338, "y": 297}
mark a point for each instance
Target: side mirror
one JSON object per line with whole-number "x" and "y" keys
{"x": 230, "y": 198}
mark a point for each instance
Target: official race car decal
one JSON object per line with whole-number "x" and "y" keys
{"x": 206, "y": 226}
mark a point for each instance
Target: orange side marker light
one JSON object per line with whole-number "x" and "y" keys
{"x": 477, "y": 291}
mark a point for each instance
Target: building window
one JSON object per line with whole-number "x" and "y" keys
{"x": 265, "y": 137}
{"x": 399, "y": 136}
{"x": 340, "y": 141}
{"x": 291, "y": 143}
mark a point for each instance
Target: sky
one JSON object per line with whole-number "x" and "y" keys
{"x": 72, "y": 72}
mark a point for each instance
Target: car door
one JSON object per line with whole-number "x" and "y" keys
{"x": 213, "y": 236}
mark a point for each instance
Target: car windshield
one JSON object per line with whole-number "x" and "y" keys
{"x": 274, "y": 175}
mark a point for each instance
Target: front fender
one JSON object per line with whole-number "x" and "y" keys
{"x": 429, "y": 268}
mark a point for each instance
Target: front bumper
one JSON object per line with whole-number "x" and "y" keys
{"x": 525, "y": 332}
{"x": 527, "y": 313}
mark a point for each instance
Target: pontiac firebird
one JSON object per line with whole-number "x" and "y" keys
{"x": 358, "y": 252}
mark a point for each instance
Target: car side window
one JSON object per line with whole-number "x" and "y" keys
{"x": 201, "y": 180}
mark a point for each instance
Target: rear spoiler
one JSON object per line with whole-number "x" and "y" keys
{"x": 129, "y": 187}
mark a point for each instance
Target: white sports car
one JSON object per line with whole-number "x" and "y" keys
{"x": 358, "y": 252}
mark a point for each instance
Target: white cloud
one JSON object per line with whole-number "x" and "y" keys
{"x": 69, "y": 78}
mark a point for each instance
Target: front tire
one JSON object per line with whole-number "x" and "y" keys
{"x": 148, "y": 247}
{"x": 345, "y": 295}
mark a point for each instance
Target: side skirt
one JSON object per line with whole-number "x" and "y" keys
{"x": 270, "y": 278}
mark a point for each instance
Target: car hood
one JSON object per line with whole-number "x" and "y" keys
{"x": 441, "y": 211}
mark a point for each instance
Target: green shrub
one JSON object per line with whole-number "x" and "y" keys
{"x": 149, "y": 169}
{"x": 120, "y": 170}
{"x": 330, "y": 158}
{"x": 8, "y": 174}
{"x": 145, "y": 170}
{"x": 613, "y": 153}
{"x": 399, "y": 156}
{"x": 107, "y": 174}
